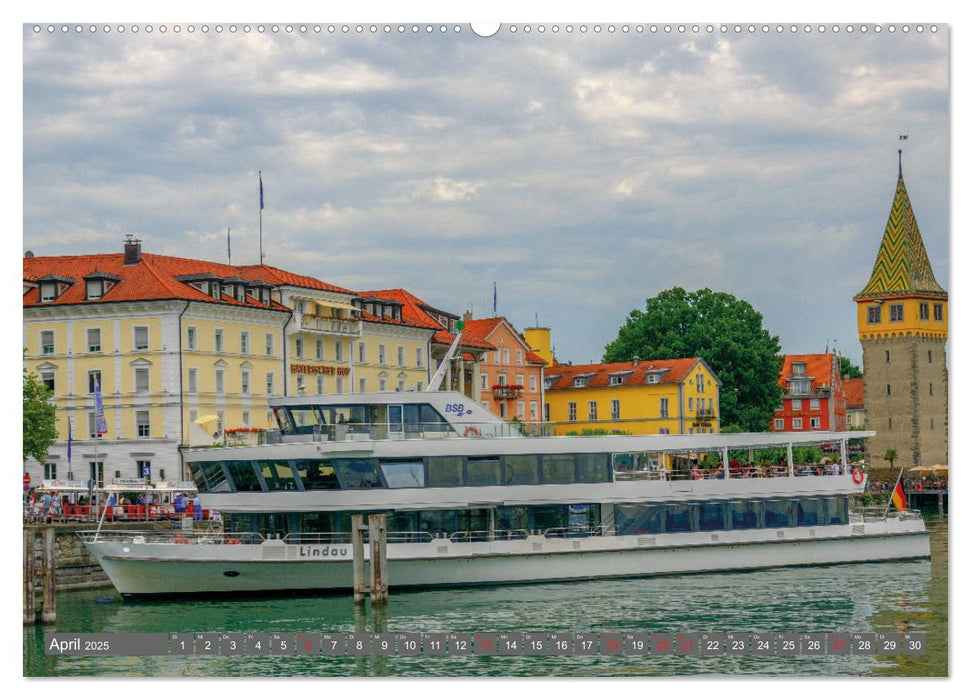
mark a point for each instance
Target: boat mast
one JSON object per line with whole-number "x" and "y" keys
{"x": 436, "y": 380}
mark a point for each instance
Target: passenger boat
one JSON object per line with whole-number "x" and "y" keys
{"x": 471, "y": 499}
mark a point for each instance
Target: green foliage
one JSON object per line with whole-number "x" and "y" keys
{"x": 597, "y": 431}
{"x": 40, "y": 431}
{"x": 732, "y": 429}
{"x": 724, "y": 331}
{"x": 848, "y": 369}
{"x": 890, "y": 455}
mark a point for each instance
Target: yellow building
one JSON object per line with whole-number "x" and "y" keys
{"x": 183, "y": 350}
{"x": 640, "y": 397}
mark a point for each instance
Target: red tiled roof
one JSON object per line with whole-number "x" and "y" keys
{"x": 853, "y": 388}
{"x": 818, "y": 367}
{"x": 481, "y": 327}
{"x": 414, "y": 315}
{"x": 533, "y": 359}
{"x": 154, "y": 277}
{"x": 599, "y": 374}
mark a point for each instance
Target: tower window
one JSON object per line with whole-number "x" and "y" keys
{"x": 924, "y": 311}
{"x": 929, "y": 356}
{"x": 886, "y": 356}
{"x": 888, "y": 390}
{"x": 896, "y": 312}
{"x": 873, "y": 314}
{"x": 931, "y": 387}
{"x": 938, "y": 312}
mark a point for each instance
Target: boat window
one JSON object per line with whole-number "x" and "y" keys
{"x": 431, "y": 419}
{"x": 678, "y": 517}
{"x": 630, "y": 519}
{"x": 244, "y": 476}
{"x": 483, "y": 471}
{"x": 215, "y": 477}
{"x": 836, "y": 512}
{"x": 403, "y": 473}
{"x": 399, "y": 522}
{"x": 314, "y": 523}
{"x": 316, "y": 474}
{"x": 546, "y": 517}
{"x": 711, "y": 516}
{"x": 195, "y": 471}
{"x": 439, "y": 521}
{"x": 520, "y": 469}
{"x": 344, "y": 415}
{"x": 511, "y": 518}
{"x": 357, "y": 473}
{"x": 778, "y": 513}
{"x": 584, "y": 516}
{"x": 304, "y": 418}
{"x": 445, "y": 471}
{"x": 277, "y": 475}
{"x": 592, "y": 468}
{"x": 558, "y": 469}
{"x": 811, "y": 511}
{"x": 744, "y": 515}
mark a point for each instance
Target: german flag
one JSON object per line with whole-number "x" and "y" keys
{"x": 898, "y": 498}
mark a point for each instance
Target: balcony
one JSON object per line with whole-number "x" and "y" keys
{"x": 329, "y": 325}
{"x": 507, "y": 392}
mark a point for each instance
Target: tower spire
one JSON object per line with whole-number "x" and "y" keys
{"x": 900, "y": 163}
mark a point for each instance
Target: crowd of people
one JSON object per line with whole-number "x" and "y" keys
{"x": 51, "y": 507}
{"x": 911, "y": 485}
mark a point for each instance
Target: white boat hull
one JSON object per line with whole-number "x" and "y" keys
{"x": 156, "y": 570}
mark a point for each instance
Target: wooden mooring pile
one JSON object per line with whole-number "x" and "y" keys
{"x": 46, "y": 572}
{"x": 377, "y": 529}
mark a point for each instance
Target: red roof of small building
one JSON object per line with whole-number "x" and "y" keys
{"x": 673, "y": 371}
{"x": 853, "y": 388}
{"x": 819, "y": 369}
{"x": 414, "y": 314}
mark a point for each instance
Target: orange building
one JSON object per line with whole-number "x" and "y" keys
{"x": 813, "y": 395}
{"x": 855, "y": 414}
{"x": 511, "y": 375}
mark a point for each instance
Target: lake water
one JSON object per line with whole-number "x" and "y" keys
{"x": 908, "y": 596}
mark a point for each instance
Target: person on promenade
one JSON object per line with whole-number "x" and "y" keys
{"x": 197, "y": 508}
{"x": 45, "y": 506}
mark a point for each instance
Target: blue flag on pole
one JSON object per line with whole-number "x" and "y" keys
{"x": 100, "y": 425}
{"x": 69, "y": 439}
{"x": 494, "y": 312}
{"x": 261, "y": 191}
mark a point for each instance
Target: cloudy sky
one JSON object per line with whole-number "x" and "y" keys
{"x": 582, "y": 172}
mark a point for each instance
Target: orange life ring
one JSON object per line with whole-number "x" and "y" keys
{"x": 918, "y": 486}
{"x": 857, "y": 476}
{"x": 233, "y": 542}
{"x": 472, "y": 431}
{"x": 179, "y": 539}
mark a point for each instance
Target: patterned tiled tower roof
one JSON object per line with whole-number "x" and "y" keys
{"x": 902, "y": 267}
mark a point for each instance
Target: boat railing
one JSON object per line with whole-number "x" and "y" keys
{"x": 349, "y": 432}
{"x": 317, "y": 538}
{"x": 700, "y": 474}
{"x": 872, "y": 514}
{"x": 488, "y": 535}
{"x": 171, "y": 537}
{"x": 581, "y": 531}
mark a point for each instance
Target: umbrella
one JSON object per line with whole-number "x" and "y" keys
{"x": 208, "y": 422}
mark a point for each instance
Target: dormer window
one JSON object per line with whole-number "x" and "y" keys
{"x": 616, "y": 379}
{"x": 653, "y": 378}
{"x": 265, "y": 295}
{"x": 580, "y": 381}
{"x": 48, "y": 291}
{"x": 97, "y": 284}
{"x": 216, "y": 290}
{"x": 96, "y": 289}
{"x": 53, "y": 286}
{"x": 798, "y": 369}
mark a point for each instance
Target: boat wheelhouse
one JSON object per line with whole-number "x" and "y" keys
{"x": 471, "y": 499}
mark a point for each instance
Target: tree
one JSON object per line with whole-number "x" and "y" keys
{"x": 724, "y": 331}
{"x": 890, "y": 455}
{"x": 848, "y": 369}
{"x": 40, "y": 431}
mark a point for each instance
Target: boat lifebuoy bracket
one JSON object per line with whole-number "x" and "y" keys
{"x": 472, "y": 431}
{"x": 918, "y": 486}
{"x": 179, "y": 539}
{"x": 233, "y": 542}
{"x": 857, "y": 476}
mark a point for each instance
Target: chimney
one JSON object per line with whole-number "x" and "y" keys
{"x": 133, "y": 250}
{"x": 637, "y": 360}
{"x": 467, "y": 316}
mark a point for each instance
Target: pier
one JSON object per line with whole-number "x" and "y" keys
{"x": 377, "y": 531}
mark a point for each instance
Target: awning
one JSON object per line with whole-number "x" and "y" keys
{"x": 334, "y": 305}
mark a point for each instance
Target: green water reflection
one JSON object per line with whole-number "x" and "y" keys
{"x": 908, "y": 596}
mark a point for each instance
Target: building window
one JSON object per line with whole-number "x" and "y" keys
{"x": 50, "y": 471}
{"x": 700, "y": 383}
{"x": 301, "y": 386}
{"x": 664, "y": 407}
{"x": 218, "y": 340}
{"x": 269, "y": 344}
{"x": 814, "y": 423}
{"x": 363, "y": 385}
{"x": 95, "y": 289}
{"x": 320, "y": 349}
{"x": 938, "y": 312}
{"x": 520, "y": 409}
{"x": 896, "y": 312}
{"x": 925, "y": 312}
{"x": 47, "y": 379}
{"x": 94, "y": 340}
{"x": 401, "y": 355}
{"x": 141, "y": 337}
{"x": 93, "y": 427}
{"x": 886, "y": 356}
{"x": 484, "y": 382}
{"x": 401, "y": 382}
{"x": 141, "y": 380}
{"x": 244, "y": 342}
{"x": 797, "y": 423}
{"x": 502, "y": 410}
{"x": 653, "y": 378}
{"x": 142, "y": 426}
{"x": 505, "y": 356}
{"x": 532, "y": 410}
{"x": 48, "y": 291}
{"x": 592, "y": 410}
{"x": 298, "y": 344}
{"x": 546, "y": 412}
{"x": 418, "y": 357}
{"x": 269, "y": 383}
{"x": 193, "y": 380}
{"x": 519, "y": 356}
{"x": 797, "y": 404}
{"x": 931, "y": 387}
{"x": 616, "y": 379}
{"x": 571, "y": 411}
{"x": 780, "y": 423}
{"x": 339, "y": 385}
{"x": 691, "y": 404}
{"x": 382, "y": 384}
{"x": 800, "y": 387}
{"x": 813, "y": 404}
{"x": 47, "y": 342}
{"x": 873, "y": 314}
{"x": 381, "y": 355}
{"x": 532, "y": 382}
{"x": 219, "y": 381}
{"x": 320, "y": 384}
{"x": 502, "y": 379}
{"x": 221, "y": 423}
{"x": 615, "y": 409}
{"x": 888, "y": 390}
{"x": 580, "y": 381}
{"x": 520, "y": 380}
{"x": 929, "y": 360}
{"x": 190, "y": 338}
{"x": 361, "y": 353}
{"x": 497, "y": 357}
{"x": 339, "y": 351}
{"x": 244, "y": 382}
{"x": 94, "y": 380}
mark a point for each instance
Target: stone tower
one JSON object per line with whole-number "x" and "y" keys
{"x": 902, "y": 323}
